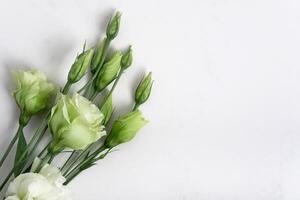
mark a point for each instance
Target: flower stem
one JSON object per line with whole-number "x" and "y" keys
{"x": 42, "y": 154}
{"x": 94, "y": 95}
{"x": 136, "y": 106}
{"x": 29, "y": 149}
{"x": 78, "y": 157}
{"x": 75, "y": 171}
{"x": 112, "y": 88}
{"x": 11, "y": 144}
{"x": 64, "y": 169}
{"x": 49, "y": 156}
{"x": 67, "y": 87}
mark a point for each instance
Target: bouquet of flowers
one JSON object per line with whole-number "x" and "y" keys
{"x": 76, "y": 122}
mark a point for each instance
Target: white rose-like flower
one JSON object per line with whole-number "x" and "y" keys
{"x": 45, "y": 185}
{"x": 32, "y": 92}
{"x": 75, "y": 123}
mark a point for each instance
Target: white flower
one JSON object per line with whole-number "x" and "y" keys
{"x": 32, "y": 92}
{"x": 75, "y": 123}
{"x": 45, "y": 185}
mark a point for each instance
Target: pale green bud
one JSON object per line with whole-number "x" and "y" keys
{"x": 108, "y": 72}
{"x": 32, "y": 92}
{"x": 113, "y": 26}
{"x": 75, "y": 123}
{"x": 125, "y": 128}
{"x": 143, "y": 90}
{"x": 107, "y": 109}
{"x": 99, "y": 53}
{"x": 126, "y": 59}
{"x": 80, "y": 66}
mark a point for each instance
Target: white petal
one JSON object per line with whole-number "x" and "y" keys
{"x": 53, "y": 175}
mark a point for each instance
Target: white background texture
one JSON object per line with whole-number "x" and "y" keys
{"x": 225, "y": 109}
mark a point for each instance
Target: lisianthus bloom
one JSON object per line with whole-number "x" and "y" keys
{"x": 45, "y": 185}
{"x": 125, "y": 128}
{"x": 32, "y": 92}
{"x": 75, "y": 123}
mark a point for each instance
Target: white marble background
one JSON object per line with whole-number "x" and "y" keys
{"x": 225, "y": 107}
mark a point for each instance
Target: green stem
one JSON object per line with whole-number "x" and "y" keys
{"x": 81, "y": 154}
{"x": 64, "y": 169}
{"x": 94, "y": 95}
{"x": 106, "y": 44}
{"x": 74, "y": 172}
{"x": 136, "y": 106}
{"x": 90, "y": 92}
{"x": 71, "y": 177}
{"x": 31, "y": 146}
{"x": 42, "y": 154}
{"x": 67, "y": 87}
{"x": 51, "y": 159}
{"x": 49, "y": 156}
{"x": 112, "y": 88}
{"x": 11, "y": 144}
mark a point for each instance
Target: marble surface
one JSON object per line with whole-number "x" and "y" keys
{"x": 225, "y": 106}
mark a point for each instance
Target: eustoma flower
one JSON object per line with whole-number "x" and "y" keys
{"x": 75, "y": 123}
{"x": 32, "y": 92}
{"x": 45, "y": 185}
{"x": 125, "y": 128}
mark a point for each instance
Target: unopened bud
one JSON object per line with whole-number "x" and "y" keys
{"x": 108, "y": 72}
{"x": 80, "y": 66}
{"x": 143, "y": 90}
{"x": 98, "y": 55}
{"x": 126, "y": 59}
{"x": 113, "y": 26}
{"x": 107, "y": 109}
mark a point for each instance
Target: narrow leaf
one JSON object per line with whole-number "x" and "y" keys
{"x": 21, "y": 147}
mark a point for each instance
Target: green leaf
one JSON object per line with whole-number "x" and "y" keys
{"x": 107, "y": 109}
{"x": 21, "y": 147}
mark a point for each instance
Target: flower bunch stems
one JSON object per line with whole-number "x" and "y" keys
{"x": 46, "y": 159}
{"x": 77, "y": 169}
{"x": 11, "y": 144}
{"x": 29, "y": 149}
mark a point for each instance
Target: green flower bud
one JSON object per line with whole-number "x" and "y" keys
{"x": 143, "y": 90}
{"x": 125, "y": 128}
{"x": 108, "y": 72}
{"x": 107, "y": 109}
{"x": 98, "y": 55}
{"x": 32, "y": 92}
{"x": 126, "y": 59}
{"x": 75, "y": 123}
{"x": 113, "y": 26}
{"x": 80, "y": 66}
